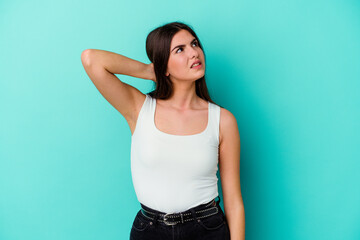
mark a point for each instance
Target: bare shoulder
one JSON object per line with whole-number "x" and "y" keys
{"x": 228, "y": 124}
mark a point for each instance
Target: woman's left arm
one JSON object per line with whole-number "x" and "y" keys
{"x": 229, "y": 167}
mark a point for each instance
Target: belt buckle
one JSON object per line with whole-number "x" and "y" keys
{"x": 165, "y": 218}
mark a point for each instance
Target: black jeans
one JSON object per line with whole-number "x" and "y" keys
{"x": 213, "y": 227}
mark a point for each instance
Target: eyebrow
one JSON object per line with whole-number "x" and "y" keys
{"x": 183, "y": 45}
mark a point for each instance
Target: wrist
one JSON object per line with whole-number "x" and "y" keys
{"x": 150, "y": 72}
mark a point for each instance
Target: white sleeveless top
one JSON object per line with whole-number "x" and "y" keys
{"x": 173, "y": 173}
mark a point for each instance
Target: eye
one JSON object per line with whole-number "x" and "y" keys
{"x": 194, "y": 43}
{"x": 178, "y": 49}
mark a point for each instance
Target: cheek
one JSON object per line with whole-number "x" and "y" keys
{"x": 176, "y": 65}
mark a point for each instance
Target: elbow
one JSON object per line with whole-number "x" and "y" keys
{"x": 85, "y": 57}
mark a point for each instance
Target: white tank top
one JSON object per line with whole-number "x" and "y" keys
{"x": 173, "y": 173}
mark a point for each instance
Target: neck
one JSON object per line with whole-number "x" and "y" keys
{"x": 184, "y": 96}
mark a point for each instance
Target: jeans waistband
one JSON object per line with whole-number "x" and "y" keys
{"x": 199, "y": 207}
{"x": 195, "y": 213}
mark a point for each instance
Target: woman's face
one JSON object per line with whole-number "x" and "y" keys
{"x": 184, "y": 52}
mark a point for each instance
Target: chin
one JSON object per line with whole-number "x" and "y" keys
{"x": 203, "y": 74}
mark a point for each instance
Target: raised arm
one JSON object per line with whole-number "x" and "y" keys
{"x": 101, "y": 66}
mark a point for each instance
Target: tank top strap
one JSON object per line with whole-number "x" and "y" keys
{"x": 214, "y": 126}
{"x": 146, "y": 118}
{"x": 146, "y": 109}
{"x": 142, "y": 122}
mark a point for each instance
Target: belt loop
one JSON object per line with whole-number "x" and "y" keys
{"x": 156, "y": 217}
{"x": 182, "y": 219}
{"x": 194, "y": 214}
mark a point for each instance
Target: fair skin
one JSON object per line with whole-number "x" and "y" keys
{"x": 183, "y": 114}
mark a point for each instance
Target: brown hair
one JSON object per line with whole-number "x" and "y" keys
{"x": 158, "y": 44}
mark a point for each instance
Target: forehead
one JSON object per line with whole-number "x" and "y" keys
{"x": 182, "y": 37}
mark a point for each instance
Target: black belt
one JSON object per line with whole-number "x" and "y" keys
{"x": 175, "y": 218}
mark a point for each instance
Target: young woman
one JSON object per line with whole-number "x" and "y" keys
{"x": 179, "y": 136}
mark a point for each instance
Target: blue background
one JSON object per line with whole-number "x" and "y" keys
{"x": 288, "y": 70}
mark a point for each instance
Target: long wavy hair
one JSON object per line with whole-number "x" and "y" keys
{"x": 158, "y": 43}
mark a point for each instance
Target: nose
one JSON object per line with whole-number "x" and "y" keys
{"x": 193, "y": 53}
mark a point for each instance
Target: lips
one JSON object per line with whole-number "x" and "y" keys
{"x": 198, "y": 61}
